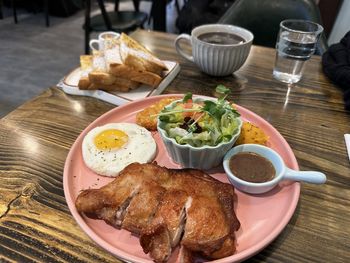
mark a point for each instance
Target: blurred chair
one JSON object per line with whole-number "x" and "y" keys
{"x": 46, "y": 11}
{"x": 153, "y": 12}
{"x": 1, "y": 14}
{"x": 262, "y": 18}
{"x": 118, "y": 21}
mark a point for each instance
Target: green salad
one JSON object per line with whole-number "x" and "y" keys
{"x": 200, "y": 122}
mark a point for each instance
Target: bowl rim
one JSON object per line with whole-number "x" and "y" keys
{"x": 186, "y": 146}
{"x": 221, "y": 28}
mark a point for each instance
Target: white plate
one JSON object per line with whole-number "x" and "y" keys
{"x": 70, "y": 86}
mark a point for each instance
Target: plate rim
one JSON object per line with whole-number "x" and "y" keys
{"x": 251, "y": 251}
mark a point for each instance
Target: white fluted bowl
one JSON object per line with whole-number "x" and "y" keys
{"x": 203, "y": 158}
{"x": 222, "y": 60}
{"x": 217, "y": 59}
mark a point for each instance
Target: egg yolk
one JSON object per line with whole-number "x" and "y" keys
{"x": 110, "y": 139}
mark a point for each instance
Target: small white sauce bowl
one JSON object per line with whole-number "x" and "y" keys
{"x": 282, "y": 171}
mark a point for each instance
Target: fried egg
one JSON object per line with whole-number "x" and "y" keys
{"x": 110, "y": 148}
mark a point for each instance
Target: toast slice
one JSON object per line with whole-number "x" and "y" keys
{"x": 108, "y": 80}
{"x": 94, "y": 75}
{"x": 116, "y": 67}
{"x": 85, "y": 62}
{"x": 84, "y": 83}
{"x": 99, "y": 61}
{"x": 145, "y": 77}
{"x": 100, "y": 77}
{"x": 121, "y": 84}
{"x": 135, "y": 55}
{"x": 122, "y": 66}
{"x": 112, "y": 56}
{"x": 86, "y": 68}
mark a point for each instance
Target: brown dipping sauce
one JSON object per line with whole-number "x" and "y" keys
{"x": 221, "y": 38}
{"x": 252, "y": 167}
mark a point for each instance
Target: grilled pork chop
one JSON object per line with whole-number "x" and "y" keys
{"x": 167, "y": 207}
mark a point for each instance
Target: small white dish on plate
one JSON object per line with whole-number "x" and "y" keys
{"x": 188, "y": 156}
{"x": 282, "y": 171}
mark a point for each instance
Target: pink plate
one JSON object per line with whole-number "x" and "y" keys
{"x": 262, "y": 217}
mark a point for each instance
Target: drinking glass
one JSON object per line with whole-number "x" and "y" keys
{"x": 296, "y": 42}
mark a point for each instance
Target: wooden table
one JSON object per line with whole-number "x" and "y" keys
{"x": 36, "y": 225}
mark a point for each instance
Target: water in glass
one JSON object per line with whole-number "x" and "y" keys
{"x": 291, "y": 55}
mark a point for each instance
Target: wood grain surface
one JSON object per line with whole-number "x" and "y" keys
{"x": 36, "y": 225}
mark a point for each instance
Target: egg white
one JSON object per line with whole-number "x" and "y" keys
{"x": 140, "y": 147}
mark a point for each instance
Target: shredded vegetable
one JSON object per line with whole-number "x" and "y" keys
{"x": 200, "y": 122}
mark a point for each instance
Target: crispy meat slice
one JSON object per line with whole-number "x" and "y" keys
{"x": 121, "y": 211}
{"x": 206, "y": 226}
{"x": 142, "y": 207}
{"x": 156, "y": 241}
{"x": 165, "y": 230}
{"x": 105, "y": 204}
{"x": 226, "y": 249}
{"x": 185, "y": 255}
{"x": 171, "y": 212}
{"x": 164, "y": 205}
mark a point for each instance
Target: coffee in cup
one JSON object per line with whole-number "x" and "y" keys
{"x": 221, "y": 38}
{"x": 217, "y": 49}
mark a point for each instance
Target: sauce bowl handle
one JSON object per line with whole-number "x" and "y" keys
{"x": 312, "y": 177}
